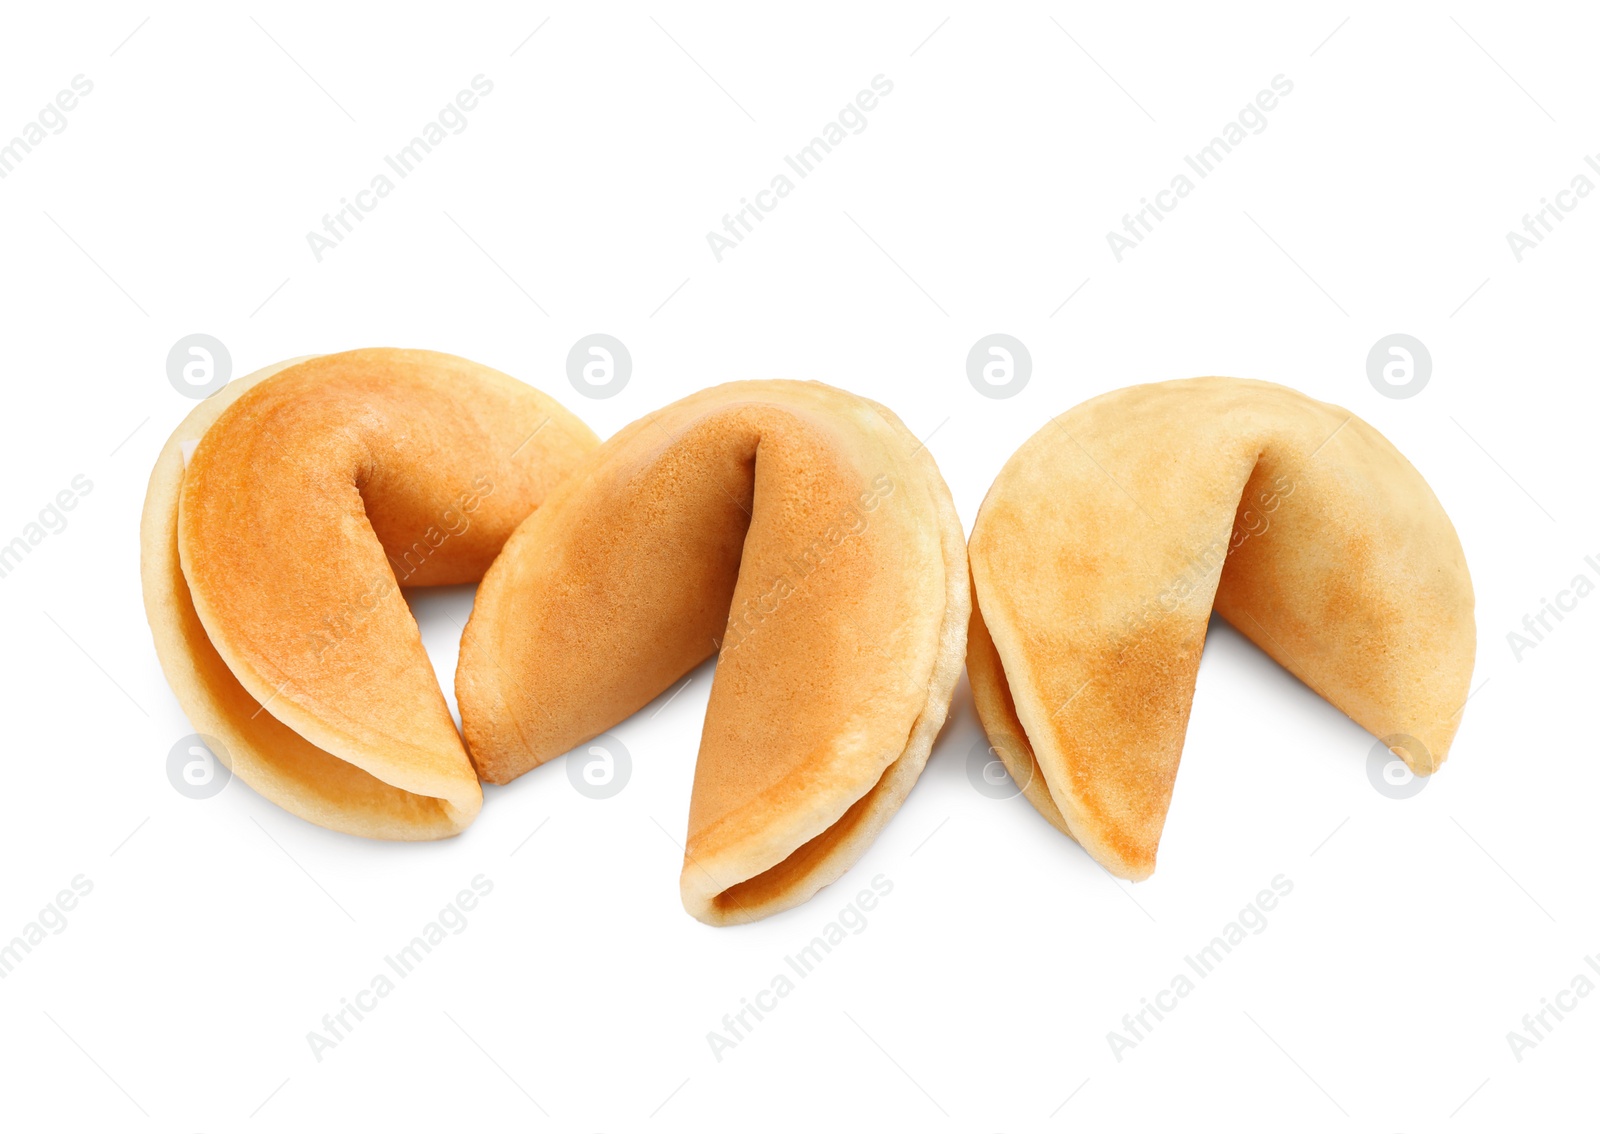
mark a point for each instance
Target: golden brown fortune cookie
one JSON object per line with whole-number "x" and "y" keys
{"x": 805, "y": 536}
{"x": 1111, "y": 535}
{"x": 284, "y": 515}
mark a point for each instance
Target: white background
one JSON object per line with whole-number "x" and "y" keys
{"x": 218, "y": 933}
